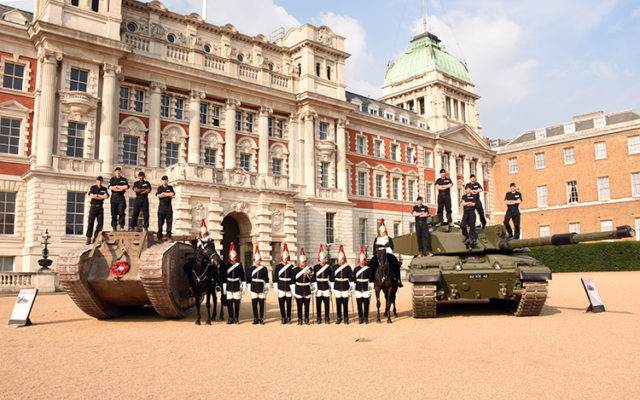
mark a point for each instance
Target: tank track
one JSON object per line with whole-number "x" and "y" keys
{"x": 156, "y": 268}
{"x": 72, "y": 268}
{"x": 424, "y": 300}
{"x": 532, "y": 300}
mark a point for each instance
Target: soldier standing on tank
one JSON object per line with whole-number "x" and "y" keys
{"x": 421, "y": 212}
{"x": 281, "y": 280}
{"x": 443, "y": 186}
{"x": 512, "y": 199}
{"x": 342, "y": 286}
{"x": 476, "y": 189}
{"x": 258, "y": 283}
{"x": 142, "y": 188}
{"x": 98, "y": 194}
{"x": 468, "y": 225}
{"x": 234, "y": 285}
{"x": 118, "y": 185}
{"x": 322, "y": 277}
{"x": 364, "y": 282}
{"x": 302, "y": 276}
{"x": 165, "y": 212}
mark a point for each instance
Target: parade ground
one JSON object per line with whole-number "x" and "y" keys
{"x": 471, "y": 351}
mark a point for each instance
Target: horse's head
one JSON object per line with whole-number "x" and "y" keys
{"x": 381, "y": 256}
{"x": 206, "y": 252}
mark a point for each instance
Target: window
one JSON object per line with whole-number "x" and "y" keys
{"x": 361, "y": 183}
{"x": 606, "y": 225}
{"x": 603, "y": 188}
{"x": 210, "y": 157}
{"x": 131, "y": 27}
{"x": 75, "y": 213}
{"x": 633, "y": 143}
{"x": 317, "y": 69}
{"x": 164, "y": 106}
{"x": 245, "y": 161}
{"x": 542, "y": 196}
{"x": 248, "y": 124}
{"x": 75, "y": 139}
{"x": 447, "y": 102}
{"x": 463, "y": 112}
{"x": 393, "y": 152}
{"x": 6, "y": 263}
{"x": 276, "y": 166}
{"x": 78, "y": 82}
{"x": 513, "y": 165}
{"x": 323, "y": 130}
{"x": 427, "y": 192}
{"x": 373, "y": 111}
{"x": 75, "y": 2}
{"x": 139, "y": 101}
{"x": 130, "y": 150}
{"x": 569, "y": 155}
{"x": 95, "y": 5}
{"x": 455, "y": 109}
{"x": 404, "y": 120}
{"x": 360, "y": 145}
{"x": 541, "y": 133}
{"x": 172, "y": 38}
{"x": 540, "y": 162}
{"x": 411, "y": 190}
{"x": 635, "y": 184}
{"x": 172, "y": 154}
{"x": 574, "y": 227}
{"x": 329, "y": 73}
{"x": 572, "y": 192}
{"x": 428, "y": 159}
{"x": 324, "y": 174}
{"x": 179, "y": 110}
{"x": 484, "y": 172}
{"x": 378, "y": 185}
{"x": 276, "y": 128}
{"x": 377, "y": 146}
{"x": 444, "y": 160}
{"x": 279, "y": 128}
{"x": 330, "y": 218}
{"x": 204, "y": 113}
{"x": 410, "y": 155}
{"x": 545, "y": 230}
{"x": 363, "y": 231}
{"x": 601, "y": 150}
{"x": 9, "y": 135}
{"x": 412, "y": 227}
{"x": 389, "y": 115}
{"x": 395, "y": 188}
{"x": 124, "y": 98}
{"x": 13, "y": 76}
{"x": 637, "y": 221}
{"x": 396, "y": 228}
{"x": 215, "y": 115}
{"x": 458, "y": 166}
{"x": 7, "y": 213}
{"x": 238, "y": 120}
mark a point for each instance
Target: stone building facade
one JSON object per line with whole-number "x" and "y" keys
{"x": 259, "y": 138}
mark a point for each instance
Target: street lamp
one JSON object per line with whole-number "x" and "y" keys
{"x": 44, "y": 262}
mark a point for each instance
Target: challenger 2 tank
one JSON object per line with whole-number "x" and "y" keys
{"x": 494, "y": 268}
{"x": 122, "y": 271}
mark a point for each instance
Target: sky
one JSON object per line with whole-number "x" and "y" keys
{"x": 535, "y": 63}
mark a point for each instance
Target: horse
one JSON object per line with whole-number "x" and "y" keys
{"x": 386, "y": 282}
{"x": 202, "y": 273}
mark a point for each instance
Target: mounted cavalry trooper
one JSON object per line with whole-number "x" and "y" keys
{"x": 384, "y": 241}
{"x": 364, "y": 280}
{"x": 234, "y": 285}
{"x": 322, "y": 277}
{"x": 342, "y": 286}
{"x": 258, "y": 286}
{"x": 281, "y": 280}
{"x": 301, "y": 286}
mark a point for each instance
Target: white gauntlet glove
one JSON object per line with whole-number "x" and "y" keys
{"x": 370, "y": 286}
{"x": 266, "y": 287}
{"x": 314, "y": 287}
{"x": 244, "y": 287}
{"x": 292, "y": 288}
{"x": 224, "y": 288}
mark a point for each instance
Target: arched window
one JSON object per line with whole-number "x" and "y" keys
{"x": 211, "y": 149}
{"x": 173, "y": 149}
{"x": 299, "y": 69}
{"x": 131, "y": 141}
{"x": 329, "y": 73}
{"x": 246, "y": 154}
{"x": 279, "y": 155}
{"x": 318, "y": 69}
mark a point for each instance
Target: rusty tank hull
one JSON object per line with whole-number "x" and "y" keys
{"x": 155, "y": 275}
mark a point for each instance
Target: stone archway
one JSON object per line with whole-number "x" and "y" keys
{"x": 236, "y": 228}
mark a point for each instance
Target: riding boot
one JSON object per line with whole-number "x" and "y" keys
{"x": 306, "y": 310}
{"x": 319, "y": 310}
{"x": 327, "y": 307}
{"x": 237, "y": 317}
{"x": 281, "y": 301}
{"x": 230, "y": 311}
{"x": 339, "y": 310}
{"x": 254, "y": 307}
{"x": 288, "y": 301}
{"x": 345, "y": 304}
{"x": 261, "y": 305}
{"x": 366, "y": 310}
{"x": 360, "y": 318}
{"x": 299, "y": 303}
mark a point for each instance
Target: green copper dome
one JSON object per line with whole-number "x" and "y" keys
{"x": 425, "y": 54}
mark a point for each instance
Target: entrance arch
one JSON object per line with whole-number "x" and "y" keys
{"x": 236, "y": 228}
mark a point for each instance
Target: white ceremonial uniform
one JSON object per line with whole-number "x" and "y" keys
{"x": 285, "y": 281}
{"x": 361, "y": 282}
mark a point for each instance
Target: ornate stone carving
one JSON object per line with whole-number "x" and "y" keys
{"x": 198, "y": 212}
{"x": 157, "y": 31}
{"x": 277, "y": 219}
{"x": 238, "y": 206}
{"x": 324, "y": 36}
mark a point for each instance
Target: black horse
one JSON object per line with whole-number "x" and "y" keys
{"x": 385, "y": 281}
{"x": 202, "y": 273}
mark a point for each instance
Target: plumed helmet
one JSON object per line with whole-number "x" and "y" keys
{"x": 382, "y": 229}
{"x": 286, "y": 257}
{"x": 302, "y": 258}
{"x": 321, "y": 254}
{"x": 203, "y": 229}
{"x": 342, "y": 257}
{"x": 362, "y": 257}
{"x": 257, "y": 257}
{"x": 233, "y": 254}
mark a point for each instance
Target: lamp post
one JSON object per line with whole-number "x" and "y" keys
{"x": 44, "y": 262}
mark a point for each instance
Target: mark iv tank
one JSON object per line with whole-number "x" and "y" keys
{"x": 124, "y": 271}
{"x": 491, "y": 269}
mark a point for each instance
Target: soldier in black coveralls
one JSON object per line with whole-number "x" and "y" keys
{"x": 476, "y": 189}
{"x": 98, "y": 194}
{"x": 443, "y": 186}
{"x": 258, "y": 283}
{"x": 421, "y": 213}
{"x": 468, "y": 225}
{"x": 118, "y": 185}
{"x": 342, "y": 284}
{"x": 512, "y": 199}
{"x": 384, "y": 241}
{"x": 234, "y": 284}
{"x": 165, "y": 212}
{"x": 142, "y": 188}
{"x": 281, "y": 281}
{"x": 301, "y": 287}
{"x": 364, "y": 283}
{"x": 322, "y": 277}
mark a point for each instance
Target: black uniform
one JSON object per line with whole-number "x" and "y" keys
{"x": 322, "y": 275}
{"x": 258, "y": 281}
{"x": 96, "y": 211}
{"x": 391, "y": 259}
{"x": 281, "y": 281}
{"x": 165, "y": 211}
{"x": 118, "y": 202}
{"x": 513, "y": 213}
{"x": 363, "y": 277}
{"x": 422, "y": 229}
{"x": 468, "y": 225}
{"x": 141, "y": 203}
{"x": 444, "y": 199}
{"x": 342, "y": 278}
{"x": 301, "y": 282}
{"x": 233, "y": 277}
{"x": 479, "y": 208}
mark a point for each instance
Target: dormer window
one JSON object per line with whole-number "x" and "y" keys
{"x": 541, "y": 133}
{"x": 373, "y": 111}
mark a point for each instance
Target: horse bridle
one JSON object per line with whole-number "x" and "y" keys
{"x": 210, "y": 261}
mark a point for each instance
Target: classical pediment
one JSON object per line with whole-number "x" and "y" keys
{"x": 16, "y": 17}
{"x": 465, "y": 135}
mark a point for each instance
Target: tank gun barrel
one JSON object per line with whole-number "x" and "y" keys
{"x": 562, "y": 239}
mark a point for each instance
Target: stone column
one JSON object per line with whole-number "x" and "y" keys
{"x": 109, "y": 116}
{"x": 194, "y": 127}
{"x": 294, "y": 165}
{"x": 341, "y": 158}
{"x": 309, "y": 154}
{"x": 263, "y": 140}
{"x": 230, "y": 134}
{"x": 153, "y": 144}
{"x": 453, "y": 173}
{"x": 47, "y": 108}
{"x": 466, "y": 168}
{"x": 437, "y": 151}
